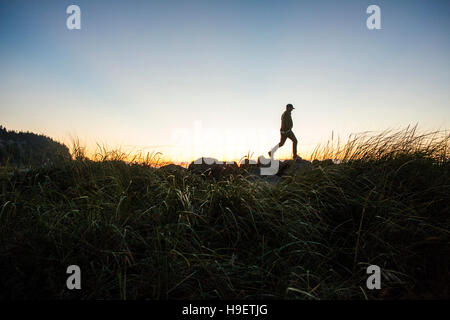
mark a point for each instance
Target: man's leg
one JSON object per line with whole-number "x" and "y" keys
{"x": 282, "y": 141}
{"x": 291, "y": 136}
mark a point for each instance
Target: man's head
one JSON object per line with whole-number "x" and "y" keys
{"x": 289, "y": 107}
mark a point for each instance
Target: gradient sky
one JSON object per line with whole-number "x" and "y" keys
{"x": 193, "y": 78}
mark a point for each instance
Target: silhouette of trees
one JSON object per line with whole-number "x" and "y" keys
{"x": 29, "y": 149}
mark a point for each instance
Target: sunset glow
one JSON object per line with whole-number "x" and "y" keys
{"x": 206, "y": 78}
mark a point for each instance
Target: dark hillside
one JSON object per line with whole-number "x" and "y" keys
{"x": 29, "y": 149}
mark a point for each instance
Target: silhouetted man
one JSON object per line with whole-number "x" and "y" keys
{"x": 286, "y": 132}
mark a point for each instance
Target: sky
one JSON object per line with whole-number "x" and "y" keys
{"x": 212, "y": 78}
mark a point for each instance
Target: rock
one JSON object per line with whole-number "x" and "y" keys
{"x": 263, "y": 162}
{"x": 262, "y": 167}
{"x": 213, "y": 167}
{"x": 291, "y": 167}
{"x": 172, "y": 168}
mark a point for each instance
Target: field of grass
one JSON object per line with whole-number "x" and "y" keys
{"x": 138, "y": 232}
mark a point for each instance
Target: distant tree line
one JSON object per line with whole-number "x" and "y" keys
{"x": 29, "y": 149}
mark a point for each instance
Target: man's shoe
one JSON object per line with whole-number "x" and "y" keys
{"x": 270, "y": 153}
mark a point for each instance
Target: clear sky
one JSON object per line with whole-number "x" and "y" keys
{"x": 211, "y": 78}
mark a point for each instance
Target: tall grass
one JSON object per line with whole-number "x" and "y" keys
{"x": 387, "y": 145}
{"x": 141, "y": 232}
{"x": 103, "y": 153}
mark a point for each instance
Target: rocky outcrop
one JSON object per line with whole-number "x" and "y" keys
{"x": 213, "y": 167}
{"x": 249, "y": 168}
{"x": 172, "y": 168}
{"x": 291, "y": 167}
